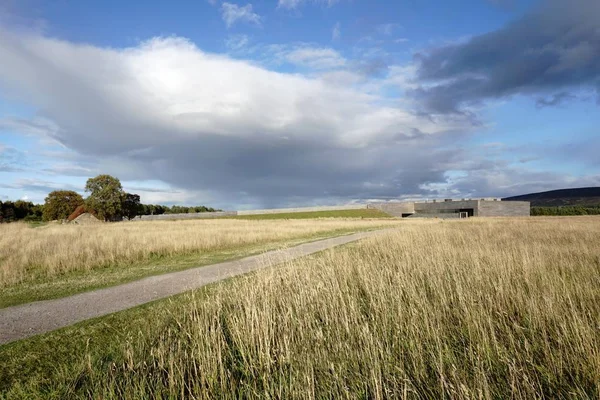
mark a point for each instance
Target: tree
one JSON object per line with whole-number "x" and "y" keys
{"x": 131, "y": 206}
{"x": 9, "y": 212}
{"x": 60, "y": 204}
{"x": 106, "y": 197}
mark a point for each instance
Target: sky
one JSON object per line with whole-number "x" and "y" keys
{"x": 275, "y": 103}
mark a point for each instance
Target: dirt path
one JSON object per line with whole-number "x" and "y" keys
{"x": 23, "y": 321}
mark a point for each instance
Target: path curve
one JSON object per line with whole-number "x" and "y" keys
{"x": 26, "y": 320}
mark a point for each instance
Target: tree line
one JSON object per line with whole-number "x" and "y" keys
{"x": 565, "y": 210}
{"x": 107, "y": 201}
{"x": 20, "y": 210}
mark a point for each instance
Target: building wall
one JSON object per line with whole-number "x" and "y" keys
{"x": 447, "y": 206}
{"x": 438, "y": 209}
{"x": 394, "y": 209}
{"x": 447, "y": 209}
{"x": 504, "y": 209}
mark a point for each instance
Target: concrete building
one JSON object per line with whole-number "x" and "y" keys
{"x": 429, "y": 209}
{"x": 456, "y": 208}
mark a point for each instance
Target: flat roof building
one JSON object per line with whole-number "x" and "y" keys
{"x": 456, "y": 208}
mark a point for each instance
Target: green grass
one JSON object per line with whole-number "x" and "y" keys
{"x": 47, "y": 366}
{"x": 363, "y": 213}
{"x": 44, "y": 288}
{"x": 36, "y": 224}
{"x": 513, "y": 314}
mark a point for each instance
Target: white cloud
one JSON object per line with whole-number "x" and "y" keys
{"x": 237, "y": 42}
{"x": 206, "y": 123}
{"x": 292, "y": 4}
{"x": 315, "y": 58}
{"x": 387, "y": 29}
{"x": 233, "y": 13}
{"x": 336, "y": 34}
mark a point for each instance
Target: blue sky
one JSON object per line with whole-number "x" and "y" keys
{"x": 268, "y": 103}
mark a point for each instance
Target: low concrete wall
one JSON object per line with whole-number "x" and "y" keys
{"x": 303, "y": 209}
{"x": 204, "y": 215}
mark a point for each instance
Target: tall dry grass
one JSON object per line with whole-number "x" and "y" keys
{"x": 465, "y": 309}
{"x": 56, "y": 249}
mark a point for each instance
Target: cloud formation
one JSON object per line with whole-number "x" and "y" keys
{"x": 166, "y": 110}
{"x": 335, "y": 129}
{"x": 232, "y": 13}
{"x": 551, "y": 52}
{"x": 317, "y": 58}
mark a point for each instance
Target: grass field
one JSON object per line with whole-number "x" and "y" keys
{"x": 499, "y": 308}
{"x": 365, "y": 213}
{"x": 57, "y": 260}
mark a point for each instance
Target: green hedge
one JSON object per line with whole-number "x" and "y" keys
{"x": 566, "y": 210}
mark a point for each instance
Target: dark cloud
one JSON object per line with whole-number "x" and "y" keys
{"x": 552, "y": 51}
{"x": 277, "y": 173}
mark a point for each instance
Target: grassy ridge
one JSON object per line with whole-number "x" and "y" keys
{"x": 512, "y": 314}
{"x": 364, "y": 213}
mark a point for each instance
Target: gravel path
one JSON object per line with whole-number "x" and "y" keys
{"x": 23, "y": 321}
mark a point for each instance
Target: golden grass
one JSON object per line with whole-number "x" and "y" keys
{"x": 52, "y": 250}
{"x": 503, "y": 308}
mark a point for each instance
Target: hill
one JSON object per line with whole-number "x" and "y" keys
{"x": 589, "y": 196}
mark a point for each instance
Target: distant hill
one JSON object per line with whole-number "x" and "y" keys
{"x": 564, "y": 197}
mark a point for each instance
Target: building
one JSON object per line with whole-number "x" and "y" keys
{"x": 456, "y": 208}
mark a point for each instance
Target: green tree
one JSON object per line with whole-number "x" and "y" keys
{"x": 106, "y": 197}
{"x": 60, "y": 204}
{"x": 132, "y": 206}
{"x": 25, "y": 209}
